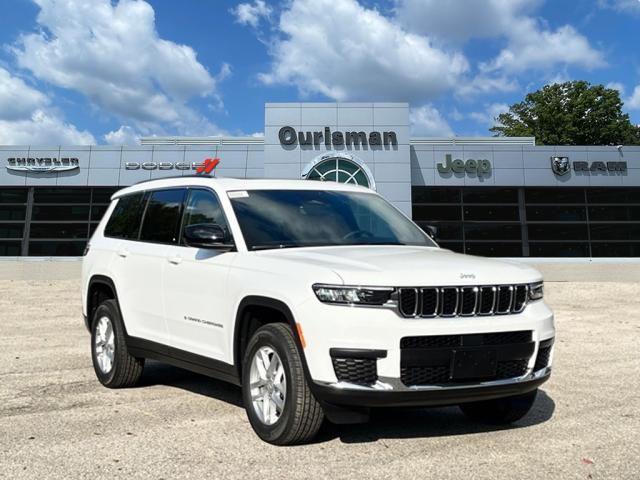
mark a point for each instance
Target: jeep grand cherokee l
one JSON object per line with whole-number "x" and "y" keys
{"x": 318, "y": 299}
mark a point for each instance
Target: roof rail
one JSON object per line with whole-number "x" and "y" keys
{"x": 199, "y": 175}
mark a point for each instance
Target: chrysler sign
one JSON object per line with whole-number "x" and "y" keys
{"x": 42, "y": 164}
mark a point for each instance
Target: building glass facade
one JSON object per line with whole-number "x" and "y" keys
{"x": 532, "y": 222}
{"x": 504, "y": 197}
{"x": 50, "y": 221}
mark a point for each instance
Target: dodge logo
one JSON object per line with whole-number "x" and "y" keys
{"x": 560, "y": 165}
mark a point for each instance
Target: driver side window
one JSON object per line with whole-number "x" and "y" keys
{"x": 203, "y": 208}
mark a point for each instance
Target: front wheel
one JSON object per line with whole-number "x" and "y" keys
{"x": 280, "y": 406}
{"x": 500, "y": 411}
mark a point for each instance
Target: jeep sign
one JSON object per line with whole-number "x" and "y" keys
{"x": 470, "y": 166}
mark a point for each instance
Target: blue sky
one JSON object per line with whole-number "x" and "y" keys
{"x": 100, "y": 71}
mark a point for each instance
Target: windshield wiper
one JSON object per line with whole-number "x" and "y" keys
{"x": 275, "y": 247}
{"x": 378, "y": 243}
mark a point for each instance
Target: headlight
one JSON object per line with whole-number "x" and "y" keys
{"x": 536, "y": 291}
{"x": 353, "y": 295}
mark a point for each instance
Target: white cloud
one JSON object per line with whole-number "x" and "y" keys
{"x": 488, "y": 117}
{"x": 125, "y": 135}
{"x": 251, "y": 14}
{"x": 531, "y": 48}
{"x": 529, "y": 43}
{"x": 625, "y": 6}
{"x": 633, "y": 102}
{"x": 113, "y": 55}
{"x": 356, "y": 53}
{"x": 42, "y": 128}
{"x": 616, "y": 86}
{"x": 459, "y": 21}
{"x": 484, "y": 84}
{"x": 26, "y": 117}
{"x": 17, "y": 99}
{"x": 427, "y": 121}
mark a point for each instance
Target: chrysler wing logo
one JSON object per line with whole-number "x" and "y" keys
{"x": 42, "y": 164}
{"x": 560, "y": 165}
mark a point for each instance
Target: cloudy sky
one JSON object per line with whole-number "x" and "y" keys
{"x": 101, "y": 71}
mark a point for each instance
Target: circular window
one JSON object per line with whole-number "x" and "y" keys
{"x": 339, "y": 169}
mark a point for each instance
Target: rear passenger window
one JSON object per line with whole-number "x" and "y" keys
{"x": 203, "y": 207}
{"x": 126, "y": 216}
{"x": 162, "y": 218}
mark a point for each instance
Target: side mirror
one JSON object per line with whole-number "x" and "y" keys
{"x": 430, "y": 230}
{"x": 207, "y": 235}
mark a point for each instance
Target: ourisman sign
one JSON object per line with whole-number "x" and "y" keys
{"x": 289, "y": 136}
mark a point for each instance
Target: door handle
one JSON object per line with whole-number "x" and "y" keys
{"x": 123, "y": 253}
{"x": 175, "y": 260}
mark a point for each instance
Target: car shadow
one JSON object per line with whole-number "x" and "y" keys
{"x": 396, "y": 423}
{"x": 385, "y": 423}
{"x": 156, "y": 373}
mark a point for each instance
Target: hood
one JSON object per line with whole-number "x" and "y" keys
{"x": 408, "y": 266}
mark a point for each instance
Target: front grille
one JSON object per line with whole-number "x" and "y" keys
{"x": 463, "y": 301}
{"x": 361, "y": 371}
{"x": 432, "y": 359}
{"x": 408, "y": 302}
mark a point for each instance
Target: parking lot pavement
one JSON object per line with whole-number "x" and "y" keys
{"x": 56, "y": 421}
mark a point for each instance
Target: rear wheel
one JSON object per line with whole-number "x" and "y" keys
{"x": 277, "y": 398}
{"x": 114, "y": 366}
{"x": 501, "y": 410}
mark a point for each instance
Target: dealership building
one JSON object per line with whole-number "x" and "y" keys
{"x": 502, "y": 197}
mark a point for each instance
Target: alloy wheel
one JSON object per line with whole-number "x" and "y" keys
{"x": 268, "y": 385}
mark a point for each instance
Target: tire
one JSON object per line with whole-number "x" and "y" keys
{"x": 300, "y": 417}
{"x": 124, "y": 370}
{"x": 500, "y": 411}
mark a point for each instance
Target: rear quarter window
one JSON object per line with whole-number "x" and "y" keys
{"x": 125, "y": 219}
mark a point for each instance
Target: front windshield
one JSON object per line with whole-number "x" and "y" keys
{"x": 303, "y": 218}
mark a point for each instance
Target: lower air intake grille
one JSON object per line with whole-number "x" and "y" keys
{"x": 511, "y": 369}
{"x": 504, "y": 338}
{"x": 361, "y": 371}
{"x": 457, "y": 359}
{"x": 544, "y": 355}
{"x": 433, "y": 341}
{"x": 436, "y": 375}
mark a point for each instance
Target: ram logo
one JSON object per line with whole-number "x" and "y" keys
{"x": 560, "y": 165}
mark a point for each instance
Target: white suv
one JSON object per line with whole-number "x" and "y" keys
{"x": 319, "y": 299}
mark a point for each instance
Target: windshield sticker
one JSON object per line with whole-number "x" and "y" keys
{"x": 238, "y": 194}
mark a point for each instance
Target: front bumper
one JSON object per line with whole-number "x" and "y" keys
{"x": 382, "y": 395}
{"x": 342, "y": 327}
{"x": 329, "y": 329}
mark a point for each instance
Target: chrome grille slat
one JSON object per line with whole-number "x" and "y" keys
{"x": 453, "y": 301}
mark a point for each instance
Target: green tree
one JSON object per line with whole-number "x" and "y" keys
{"x": 570, "y": 113}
